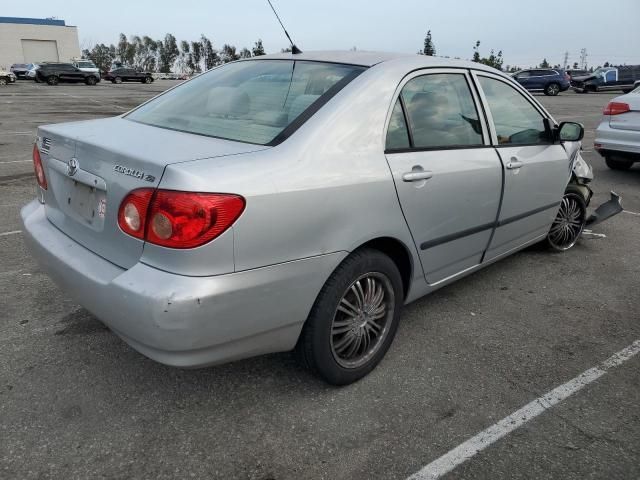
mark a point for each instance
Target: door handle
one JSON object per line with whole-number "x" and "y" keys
{"x": 416, "y": 176}
{"x": 514, "y": 164}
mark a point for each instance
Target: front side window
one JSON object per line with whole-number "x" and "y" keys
{"x": 441, "y": 111}
{"x": 249, "y": 101}
{"x": 516, "y": 121}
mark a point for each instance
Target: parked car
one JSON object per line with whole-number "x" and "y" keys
{"x": 551, "y": 81}
{"x": 299, "y": 201}
{"x": 54, "y": 73}
{"x": 624, "y": 78}
{"x": 87, "y": 66}
{"x": 128, "y": 74}
{"x": 618, "y": 135}
{"x": 19, "y": 70}
{"x": 6, "y": 77}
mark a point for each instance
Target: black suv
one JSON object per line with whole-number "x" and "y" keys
{"x": 127, "y": 74}
{"x": 54, "y": 73}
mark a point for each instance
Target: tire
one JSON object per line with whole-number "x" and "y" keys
{"x": 53, "y": 80}
{"x": 117, "y": 80}
{"x": 618, "y": 164}
{"x": 552, "y": 89}
{"x": 569, "y": 223}
{"x": 90, "y": 80}
{"x": 3, "y": 81}
{"x": 331, "y": 333}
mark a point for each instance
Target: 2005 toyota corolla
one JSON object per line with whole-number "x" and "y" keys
{"x": 298, "y": 201}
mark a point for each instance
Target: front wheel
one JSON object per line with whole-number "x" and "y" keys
{"x": 3, "y": 81}
{"x": 569, "y": 223}
{"x": 53, "y": 79}
{"x": 117, "y": 80}
{"x": 354, "y": 319}
{"x": 552, "y": 89}
{"x": 90, "y": 81}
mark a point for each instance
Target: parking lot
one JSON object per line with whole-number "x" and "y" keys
{"x": 76, "y": 402}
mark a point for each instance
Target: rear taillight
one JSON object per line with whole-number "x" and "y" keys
{"x": 132, "y": 215}
{"x": 39, "y": 169}
{"x": 616, "y": 108}
{"x": 178, "y": 219}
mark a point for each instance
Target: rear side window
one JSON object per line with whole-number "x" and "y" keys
{"x": 516, "y": 121}
{"x": 441, "y": 111}
{"x": 397, "y": 134}
{"x": 251, "y": 101}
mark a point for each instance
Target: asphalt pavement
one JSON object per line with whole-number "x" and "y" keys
{"x": 77, "y": 403}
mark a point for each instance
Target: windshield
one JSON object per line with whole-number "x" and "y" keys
{"x": 249, "y": 101}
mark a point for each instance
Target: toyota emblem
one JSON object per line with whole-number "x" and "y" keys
{"x": 72, "y": 166}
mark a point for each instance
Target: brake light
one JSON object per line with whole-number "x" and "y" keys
{"x": 39, "y": 169}
{"x": 616, "y": 108}
{"x": 178, "y": 219}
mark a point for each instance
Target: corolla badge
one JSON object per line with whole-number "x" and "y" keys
{"x": 72, "y": 166}
{"x": 132, "y": 172}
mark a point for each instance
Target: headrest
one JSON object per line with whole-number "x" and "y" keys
{"x": 228, "y": 102}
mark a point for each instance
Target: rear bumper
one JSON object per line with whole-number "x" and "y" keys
{"x": 616, "y": 140}
{"x": 179, "y": 320}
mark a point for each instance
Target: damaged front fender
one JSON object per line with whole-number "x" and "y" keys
{"x": 606, "y": 210}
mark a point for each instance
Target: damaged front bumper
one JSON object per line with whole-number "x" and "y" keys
{"x": 606, "y": 210}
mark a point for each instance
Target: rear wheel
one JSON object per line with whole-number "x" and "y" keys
{"x": 117, "y": 80}
{"x": 147, "y": 80}
{"x": 354, "y": 319}
{"x": 53, "y": 80}
{"x": 552, "y": 89}
{"x": 569, "y": 223}
{"x": 618, "y": 164}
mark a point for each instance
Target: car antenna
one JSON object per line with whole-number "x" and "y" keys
{"x": 295, "y": 50}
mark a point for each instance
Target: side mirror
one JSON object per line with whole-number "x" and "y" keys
{"x": 570, "y": 132}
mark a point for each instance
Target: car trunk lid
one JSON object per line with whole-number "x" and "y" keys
{"x": 91, "y": 166}
{"x": 629, "y": 120}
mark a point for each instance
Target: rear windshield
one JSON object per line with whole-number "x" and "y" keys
{"x": 250, "y": 101}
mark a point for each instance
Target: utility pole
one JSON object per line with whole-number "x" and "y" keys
{"x": 583, "y": 58}
{"x": 565, "y": 63}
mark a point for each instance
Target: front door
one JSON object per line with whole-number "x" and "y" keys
{"x": 447, "y": 175}
{"x": 536, "y": 170}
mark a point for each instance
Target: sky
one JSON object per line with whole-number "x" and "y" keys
{"x": 526, "y": 32}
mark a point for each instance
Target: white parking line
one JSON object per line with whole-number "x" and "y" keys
{"x": 4, "y": 234}
{"x": 631, "y": 213}
{"x": 482, "y": 440}
{"x": 16, "y": 161}
{"x": 18, "y": 133}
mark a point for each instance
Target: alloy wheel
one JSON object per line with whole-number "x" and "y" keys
{"x": 569, "y": 223}
{"x": 362, "y": 319}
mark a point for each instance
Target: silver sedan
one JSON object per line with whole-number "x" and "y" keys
{"x": 298, "y": 201}
{"x": 618, "y": 135}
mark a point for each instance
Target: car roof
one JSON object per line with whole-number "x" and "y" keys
{"x": 383, "y": 59}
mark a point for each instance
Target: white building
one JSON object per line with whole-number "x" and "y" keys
{"x": 30, "y": 40}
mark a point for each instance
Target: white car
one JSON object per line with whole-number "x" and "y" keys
{"x": 87, "y": 66}
{"x": 6, "y": 77}
{"x": 618, "y": 135}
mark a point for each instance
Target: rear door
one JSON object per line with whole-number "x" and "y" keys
{"x": 447, "y": 175}
{"x": 536, "y": 170}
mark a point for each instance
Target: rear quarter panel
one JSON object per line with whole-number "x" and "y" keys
{"x": 327, "y": 188}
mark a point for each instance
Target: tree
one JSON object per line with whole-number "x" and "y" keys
{"x": 544, "y": 63}
{"x": 493, "y": 60}
{"x": 245, "y": 53}
{"x": 196, "y": 56}
{"x": 606, "y": 64}
{"x": 101, "y": 55}
{"x": 168, "y": 53}
{"x": 476, "y": 52}
{"x": 228, "y": 53}
{"x": 258, "y": 49}
{"x": 209, "y": 54}
{"x": 575, "y": 65}
{"x": 429, "y": 47}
